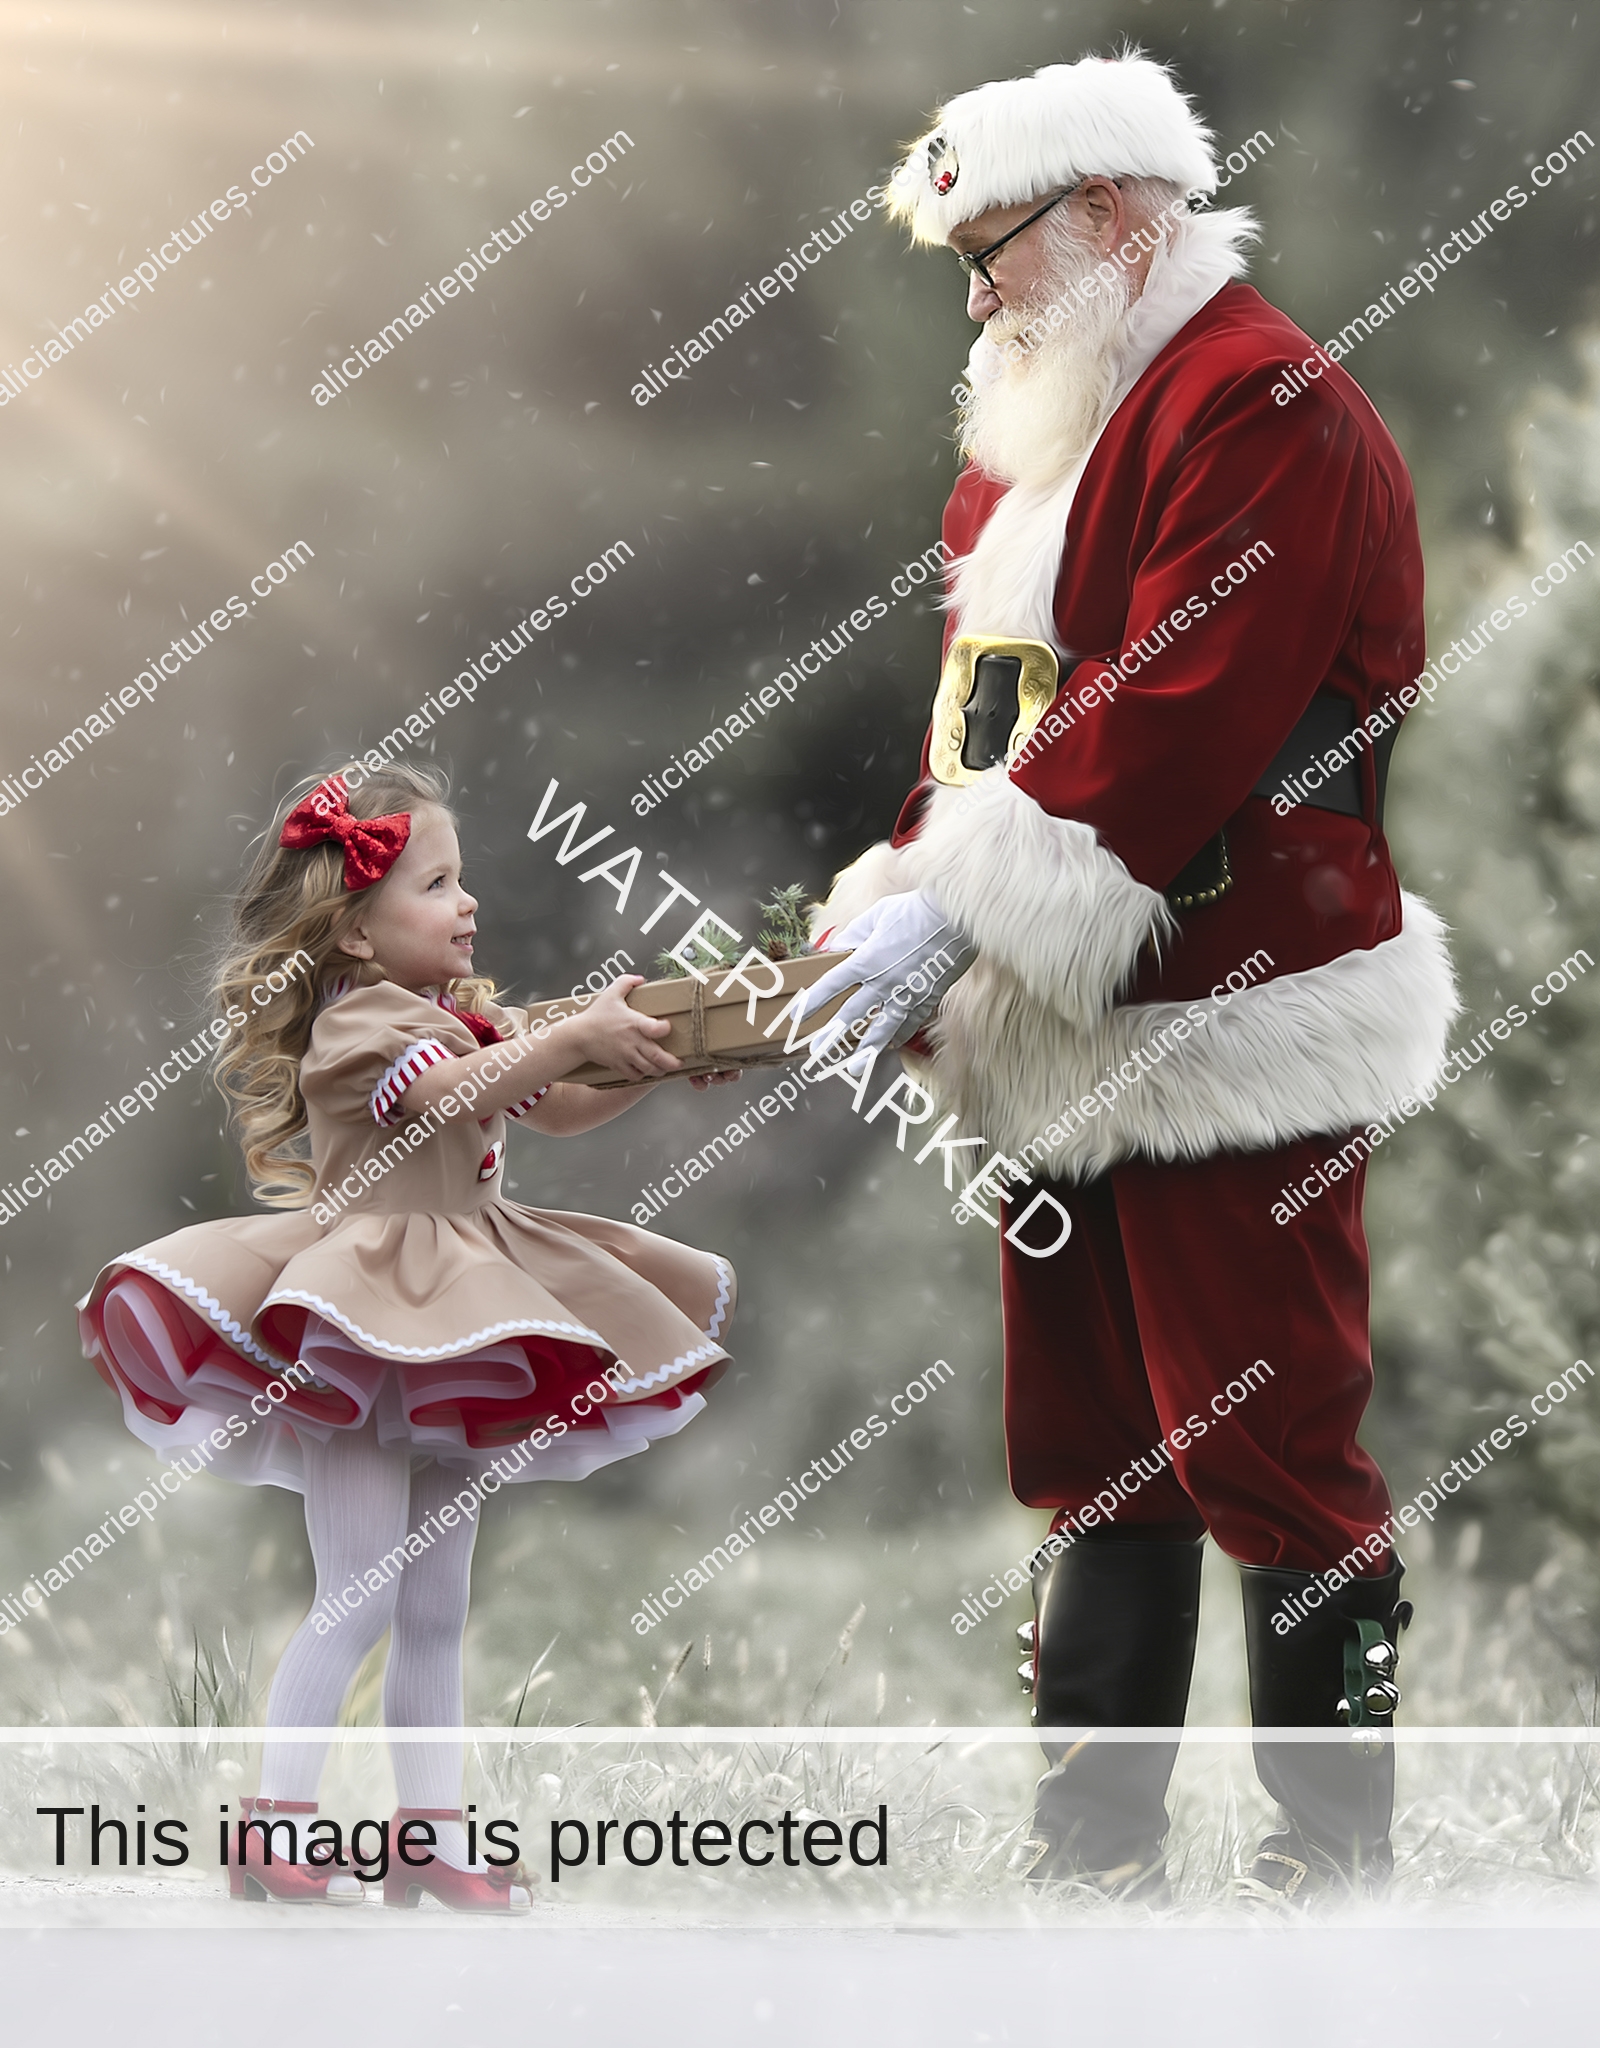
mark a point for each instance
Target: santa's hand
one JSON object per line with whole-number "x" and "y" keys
{"x": 905, "y": 955}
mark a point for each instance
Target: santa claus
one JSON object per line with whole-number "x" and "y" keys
{"x": 1180, "y": 576}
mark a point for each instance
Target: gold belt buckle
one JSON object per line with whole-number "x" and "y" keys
{"x": 956, "y": 753}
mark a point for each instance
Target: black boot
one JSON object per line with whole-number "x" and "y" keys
{"x": 1325, "y": 1667}
{"x": 1113, "y": 1648}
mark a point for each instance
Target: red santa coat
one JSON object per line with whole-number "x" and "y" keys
{"x": 1056, "y": 867}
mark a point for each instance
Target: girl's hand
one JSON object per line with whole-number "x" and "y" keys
{"x": 715, "y": 1080}
{"x": 614, "y": 1036}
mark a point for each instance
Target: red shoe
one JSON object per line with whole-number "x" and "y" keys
{"x": 282, "y": 1883}
{"x": 496, "y": 1890}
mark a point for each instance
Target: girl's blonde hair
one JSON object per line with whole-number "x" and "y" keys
{"x": 288, "y": 918}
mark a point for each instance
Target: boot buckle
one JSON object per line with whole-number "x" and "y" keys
{"x": 1284, "y": 1887}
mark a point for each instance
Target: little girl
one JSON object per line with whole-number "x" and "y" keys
{"x": 404, "y": 1330}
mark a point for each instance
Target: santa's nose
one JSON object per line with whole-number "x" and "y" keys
{"x": 982, "y": 299}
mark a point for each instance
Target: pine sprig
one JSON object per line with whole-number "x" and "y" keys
{"x": 785, "y": 935}
{"x": 786, "y": 928}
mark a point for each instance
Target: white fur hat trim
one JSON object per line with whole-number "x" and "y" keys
{"x": 1020, "y": 138}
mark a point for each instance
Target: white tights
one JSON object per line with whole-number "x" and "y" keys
{"x": 361, "y": 1502}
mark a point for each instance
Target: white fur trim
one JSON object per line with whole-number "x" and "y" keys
{"x": 1017, "y": 138}
{"x": 1039, "y": 896}
{"x": 1319, "y": 1051}
{"x": 1324, "y": 1050}
{"x": 878, "y": 873}
{"x": 1007, "y": 584}
{"x": 1201, "y": 253}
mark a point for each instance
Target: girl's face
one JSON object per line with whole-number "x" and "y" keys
{"x": 417, "y": 923}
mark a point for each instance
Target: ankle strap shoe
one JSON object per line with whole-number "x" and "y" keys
{"x": 263, "y": 1875}
{"x": 496, "y": 1890}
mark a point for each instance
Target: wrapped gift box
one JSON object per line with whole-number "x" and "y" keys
{"x": 719, "y": 1022}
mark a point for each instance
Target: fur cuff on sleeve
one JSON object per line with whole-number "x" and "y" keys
{"x": 1039, "y": 895}
{"x": 878, "y": 873}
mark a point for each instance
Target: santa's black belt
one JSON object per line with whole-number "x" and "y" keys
{"x": 1322, "y": 728}
{"x": 994, "y": 691}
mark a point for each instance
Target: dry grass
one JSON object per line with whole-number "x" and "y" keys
{"x": 811, "y": 1632}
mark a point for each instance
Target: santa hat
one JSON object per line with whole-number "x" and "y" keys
{"x": 1018, "y": 138}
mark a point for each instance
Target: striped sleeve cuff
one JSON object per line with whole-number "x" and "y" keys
{"x": 384, "y": 1100}
{"x": 521, "y": 1108}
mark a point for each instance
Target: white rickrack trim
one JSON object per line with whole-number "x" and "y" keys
{"x": 521, "y": 1326}
{"x": 724, "y": 1289}
{"x": 640, "y": 1383}
{"x": 663, "y": 1373}
{"x": 689, "y": 1358}
{"x": 239, "y": 1338}
{"x": 415, "y": 1061}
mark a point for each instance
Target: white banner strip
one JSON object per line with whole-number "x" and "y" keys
{"x": 826, "y": 1738}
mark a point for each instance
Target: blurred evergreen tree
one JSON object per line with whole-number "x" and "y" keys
{"x": 1484, "y": 1216}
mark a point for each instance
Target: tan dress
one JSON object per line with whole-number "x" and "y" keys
{"x": 408, "y": 1289}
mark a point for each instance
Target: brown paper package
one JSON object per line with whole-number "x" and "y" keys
{"x": 712, "y": 1026}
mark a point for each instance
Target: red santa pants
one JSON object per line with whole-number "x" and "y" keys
{"x": 1147, "y": 1327}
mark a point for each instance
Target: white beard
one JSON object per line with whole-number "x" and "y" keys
{"x": 1032, "y": 410}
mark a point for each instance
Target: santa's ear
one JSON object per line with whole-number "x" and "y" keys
{"x": 1104, "y": 203}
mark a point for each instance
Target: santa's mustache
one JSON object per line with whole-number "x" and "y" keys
{"x": 1043, "y": 373}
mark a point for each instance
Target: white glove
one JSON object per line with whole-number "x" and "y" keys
{"x": 905, "y": 955}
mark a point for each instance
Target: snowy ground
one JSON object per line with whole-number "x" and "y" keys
{"x": 462, "y": 1989}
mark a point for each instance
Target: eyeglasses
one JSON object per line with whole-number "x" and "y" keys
{"x": 979, "y": 262}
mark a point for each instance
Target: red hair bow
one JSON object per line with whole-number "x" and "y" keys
{"x": 371, "y": 845}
